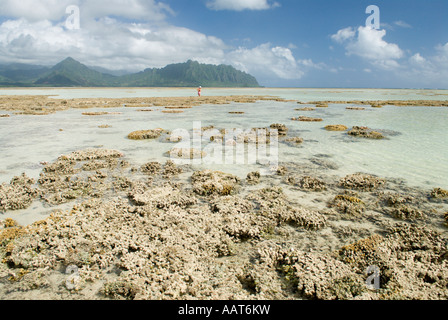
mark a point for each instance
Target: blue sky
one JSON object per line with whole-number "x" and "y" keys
{"x": 283, "y": 43}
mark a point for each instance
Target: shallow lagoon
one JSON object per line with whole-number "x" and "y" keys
{"x": 416, "y": 148}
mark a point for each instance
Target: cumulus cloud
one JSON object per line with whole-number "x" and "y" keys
{"x": 368, "y": 43}
{"x": 37, "y": 10}
{"x": 266, "y": 60}
{"x": 431, "y": 71}
{"x": 107, "y": 42}
{"x": 240, "y": 5}
{"x": 344, "y": 34}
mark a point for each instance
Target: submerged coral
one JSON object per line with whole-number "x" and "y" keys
{"x": 305, "y": 109}
{"x": 336, "y": 127}
{"x": 209, "y": 182}
{"x": 365, "y": 132}
{"x": 281, "y": 129}
{"x": 253, "y": 177}
{"x": 355, "y": 108}
{"x": 439, "y": 193}
{"x": 186, "y": 153}
{"x": 307, "y": 119}
{"x": 294, "y": 141}
{"x": 145, "y": 134}
{"x": 348, "y": 203}
{"x": 360, "y": 181}
{"x": 19, "y": 194}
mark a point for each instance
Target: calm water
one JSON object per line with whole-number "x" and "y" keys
{"x": 416, "y": 151}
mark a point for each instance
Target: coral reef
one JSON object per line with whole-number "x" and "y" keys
{"x": 305, "y": 109}
{"x": 145, "y": 134}
{"x": 411, "y": 260}
{"x": 311, "y": 183}
{"x": 399, "y": 103}
{"x": 148, "y": 232}
{"x": 349, "y": 204}
{"x": 186, "y": 153}
{"x": 365, "y": 132}
{"x": 102, "y": 113}
{"x": 401, "y": 207}
{"x": 362, "y": 182}
{"x": 294, "y": 141}
{"x": 336, "y": 127}
{"x": 307, "y": 119}
{"x": 306, "y": 183}
{"x": 253, "y": 177}
{"x": 439, "y": 193}
{"x": 19, "y": 194}
{"x": 281, "y": 129}
{"x": 209, "y": 182}
{"x": 172, "y": 111}
{"x": 355, "y": 108}
{"x": 151, "y": 168}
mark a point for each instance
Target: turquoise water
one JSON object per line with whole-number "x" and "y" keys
{"x": 416, "y": 148}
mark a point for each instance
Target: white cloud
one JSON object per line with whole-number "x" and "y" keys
{"x": 417, "y": 59}
{"x": 402, "y": 24}
{"x": 53, "y": 10}
{"x": 368, "y": 43}
{"x": 107, "y": 43}
{"x": 344, "y": 34}
{"x": 265, "y": 60}
{"x": 431, "y": 71}
{"x": 240, "y": 5}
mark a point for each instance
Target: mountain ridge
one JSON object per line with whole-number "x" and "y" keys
{"x": 72, "y": 73}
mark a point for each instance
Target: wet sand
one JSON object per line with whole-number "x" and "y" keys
{"x": 167, "y": 231}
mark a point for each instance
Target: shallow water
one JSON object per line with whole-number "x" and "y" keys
{"x": 301, "y": 94}
{"x": 416, "y": 148}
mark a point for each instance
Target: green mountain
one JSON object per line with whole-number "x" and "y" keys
{"x": 21, "y": 74}
{"x": 191, "y": 74}
{"x": 71, "y": 73}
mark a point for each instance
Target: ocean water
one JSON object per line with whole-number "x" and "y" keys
{"x": 301, "y": 94}
{"x": 416, "y": 149}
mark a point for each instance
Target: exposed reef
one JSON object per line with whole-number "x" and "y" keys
{"x": 145, "y": 134}
{"x": 365, "y": 132}
{"x": 213, "y": 236}
{"x": 361, "y": 182}
{"x": 307, "y": 119}
{"x": 19, "y": 194}
{"x": 336, "y": 127}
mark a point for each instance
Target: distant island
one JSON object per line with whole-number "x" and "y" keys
{"x": 71, "y": 73}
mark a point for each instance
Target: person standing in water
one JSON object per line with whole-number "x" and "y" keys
{"x": 199, "y": 91}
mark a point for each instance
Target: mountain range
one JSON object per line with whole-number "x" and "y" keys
{"x": 71, "y": 73}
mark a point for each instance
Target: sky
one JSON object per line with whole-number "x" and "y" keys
{"x": 283, "y": 43}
